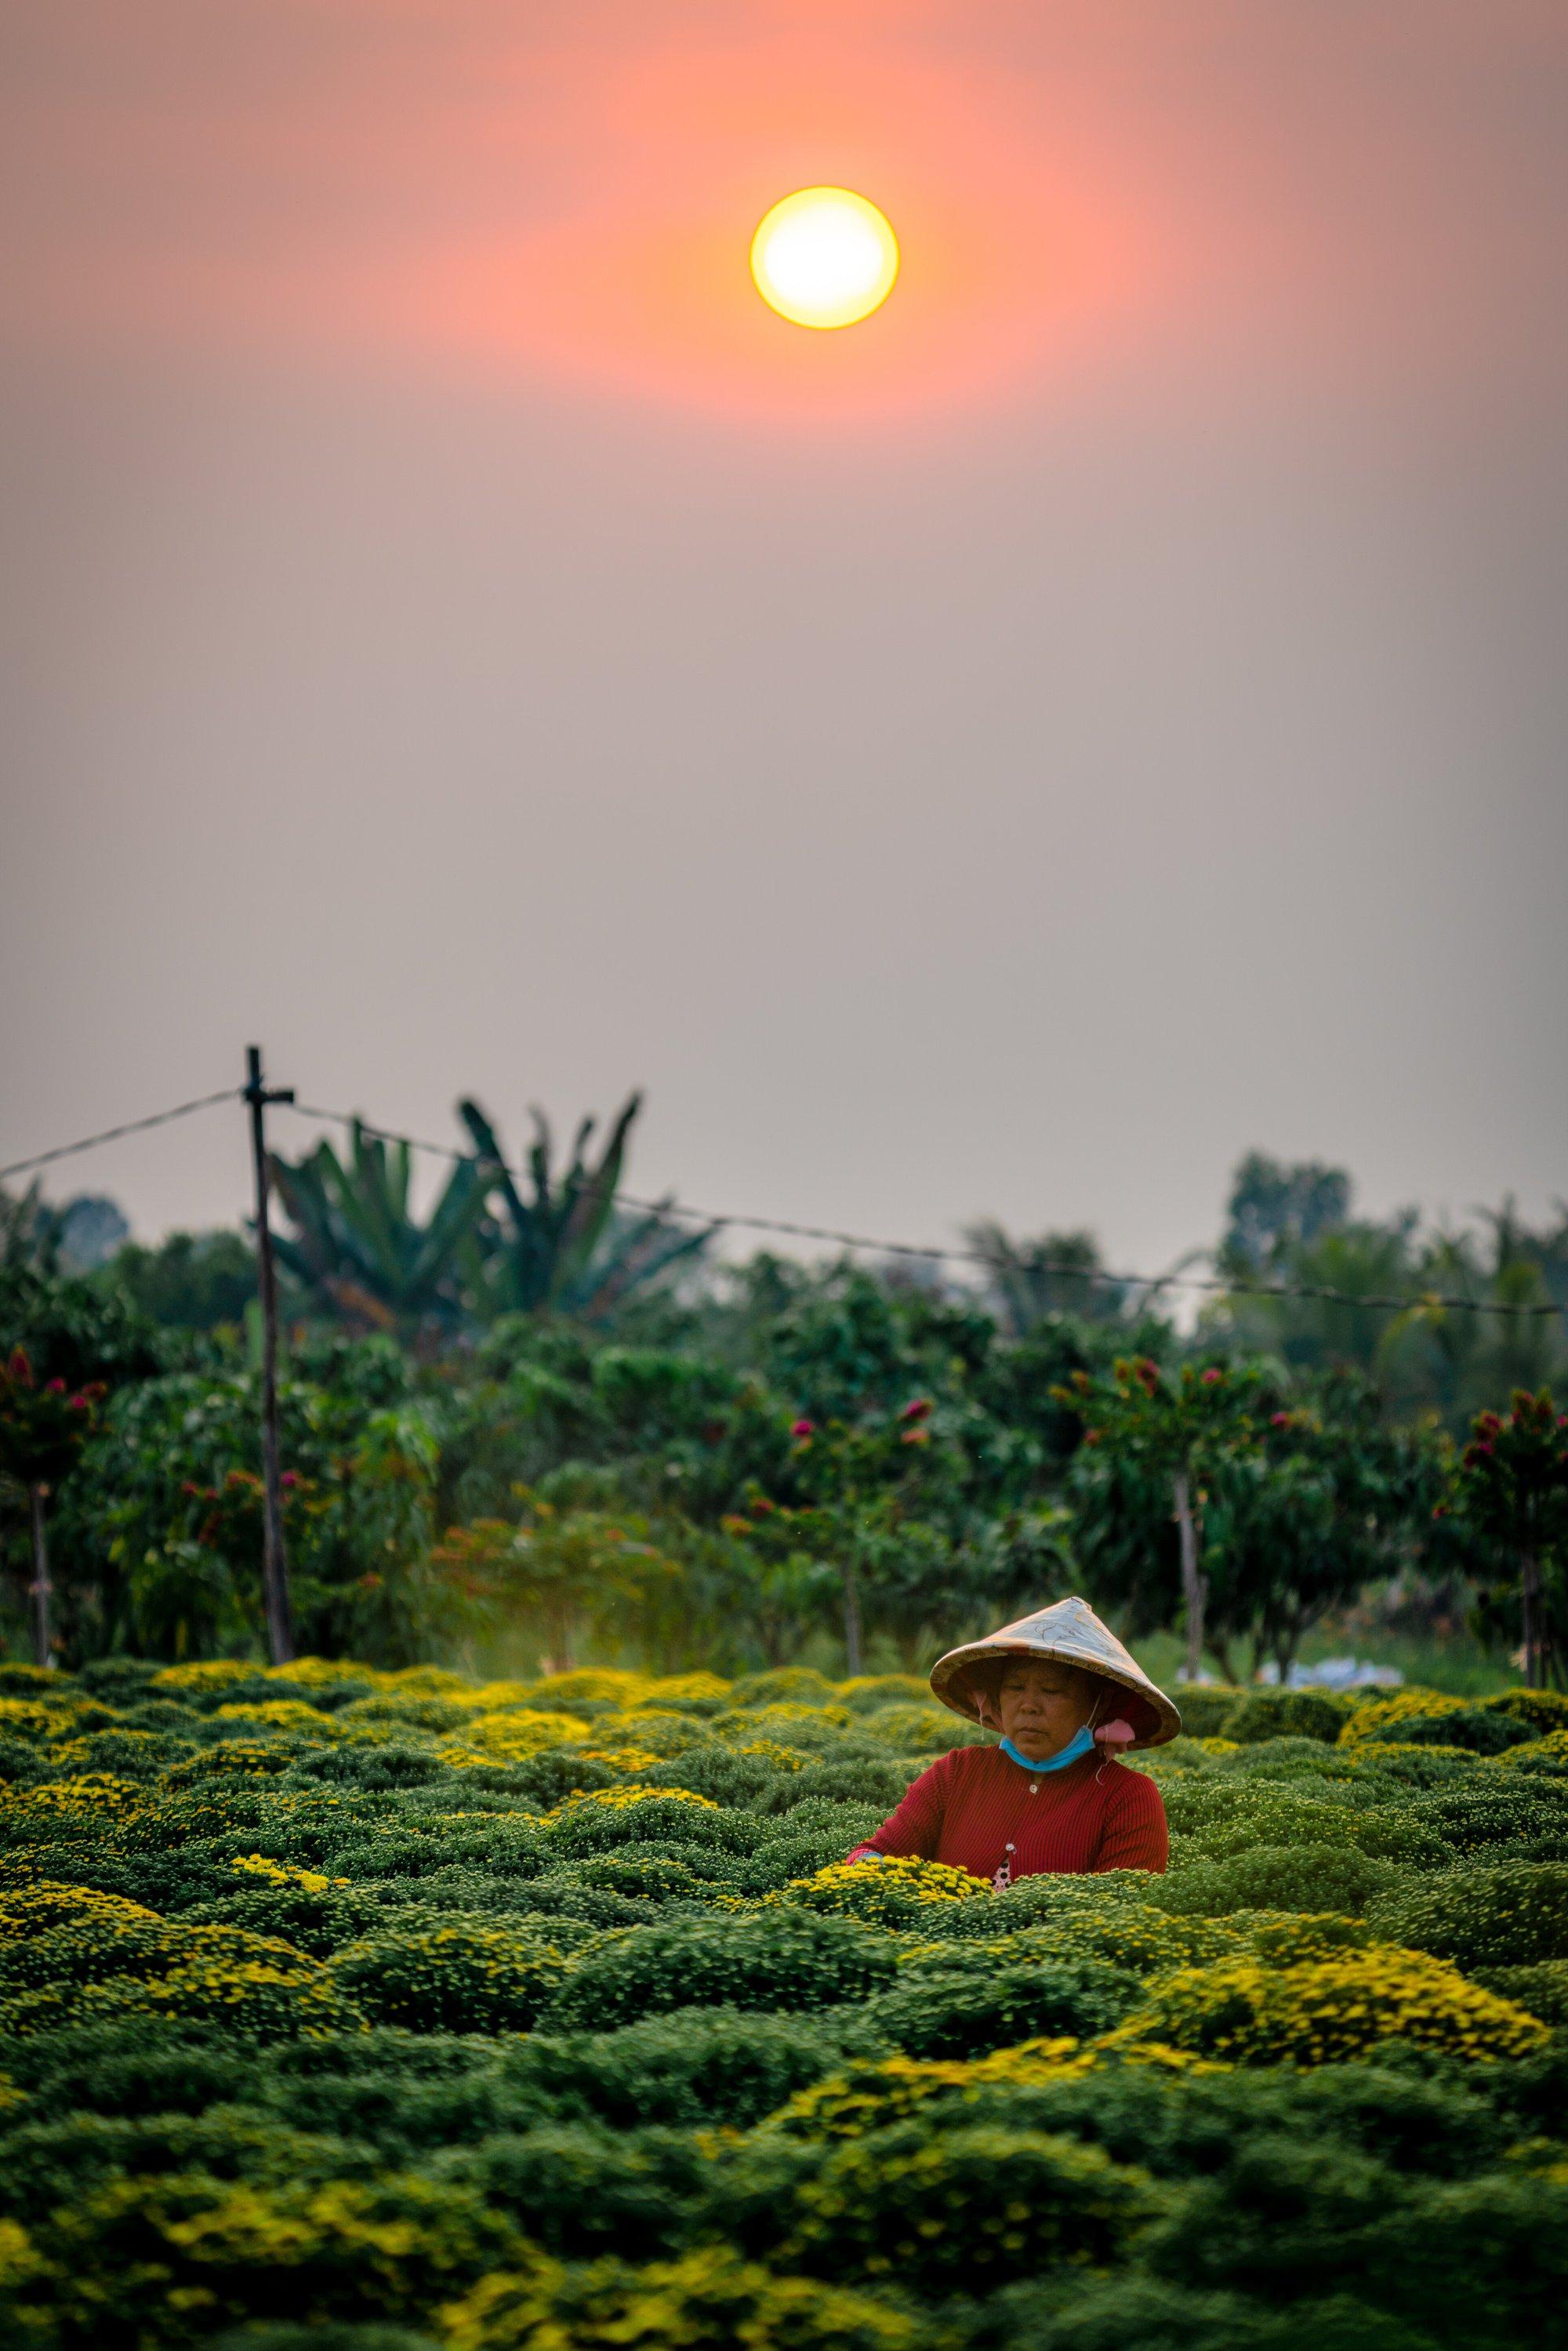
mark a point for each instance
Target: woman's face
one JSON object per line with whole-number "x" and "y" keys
{"x": 1040, "y": 1704}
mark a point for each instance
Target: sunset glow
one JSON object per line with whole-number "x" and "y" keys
{"x": 824, "y": 257}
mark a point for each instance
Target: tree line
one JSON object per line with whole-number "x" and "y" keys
{"x": 532, "y": 1423}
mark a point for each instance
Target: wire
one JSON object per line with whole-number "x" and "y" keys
{"x": 716, "y": 1222}
{"x": 113, "y": 1134}
{"x": 1151, "y": 1282}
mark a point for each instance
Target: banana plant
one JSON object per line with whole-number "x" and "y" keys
{"x": 565, "y": 1246}
{"x": 355, "y": 1242}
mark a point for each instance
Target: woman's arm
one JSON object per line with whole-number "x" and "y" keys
{"x": 1134, "y": 1836}
{"x": 916, "y": 1826}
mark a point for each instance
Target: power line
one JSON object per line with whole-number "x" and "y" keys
{"x": 717, "y": 1222}
{"x": 113, "y": 1134}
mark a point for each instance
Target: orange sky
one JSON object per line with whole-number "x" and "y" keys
{"x": 568, "y": 197}
{"x": 1103, "y": 713}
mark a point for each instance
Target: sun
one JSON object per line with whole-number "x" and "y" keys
{"x": 824, "y": 257}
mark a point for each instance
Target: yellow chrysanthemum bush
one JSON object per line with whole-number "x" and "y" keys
{"x": 341, "y": 1999}
{"x": 710, "y": 2299}
{"x": 463, "y": 1975}
{"x": 934, "y": 2209}
{"x": 897, "y": 1892}
{"x": 101, "y": 1963}
{"x": 1317, "y": 2011}
{"x": 873, "y": 2093}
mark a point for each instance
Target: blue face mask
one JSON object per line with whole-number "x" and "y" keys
{"x": 1081, "y": 1743}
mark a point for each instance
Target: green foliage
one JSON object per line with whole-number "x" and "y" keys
{"x": 168, "y": 1502}
{"x": 189, "y": 1281}
{"x": 322, "y": 2032}
{"x": 708, "y": 2301}
{"x": 688, "y": 2066}
{"x": 1513, "y": 1916}
{"x": 950, "y": 2006}
{"x": 353, "y": 1241}
{"x": 565, "y": 1244}
{"x": 933, "y": 2210}
{"x": 465, "y": 1976}
{"x": 781, "y": 1959}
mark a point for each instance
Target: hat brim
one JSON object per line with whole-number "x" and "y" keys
{"x": 1153, "y": 1718}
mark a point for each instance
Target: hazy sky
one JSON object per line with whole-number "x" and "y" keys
{"x": 1105, "y": 712}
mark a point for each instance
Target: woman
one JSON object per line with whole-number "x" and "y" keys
{"x": 1067, "y": 1699}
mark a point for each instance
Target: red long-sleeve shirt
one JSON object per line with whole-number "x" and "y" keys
{"x": 975, "y": 1802}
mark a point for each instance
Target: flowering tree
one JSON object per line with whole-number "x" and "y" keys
{"x": 1510, "y": 1507}
{"x": 43, "y": 1428}
{"x": 1178, "y": 1433}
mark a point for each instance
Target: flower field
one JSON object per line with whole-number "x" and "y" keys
{"x": 358, "y": 2010}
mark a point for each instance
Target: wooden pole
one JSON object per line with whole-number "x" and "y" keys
{"x": 275, "y": 1561}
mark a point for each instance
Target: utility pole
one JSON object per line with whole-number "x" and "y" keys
{"x": 274, "y": 1562}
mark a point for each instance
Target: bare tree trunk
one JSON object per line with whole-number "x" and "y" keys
{"x": 851, "y": 1624}
{"x": 1193, "y": 1585}
{"x": 1530, "y": 1613}
{"x": 40, "y": 1587}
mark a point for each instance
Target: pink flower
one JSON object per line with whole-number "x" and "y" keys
{"x": 803, "y": 1428}
{"x": 917, "y": 1410}
{"x": 1209, "y": 1377}
{"x": 289, "y": 1478}
{"x": 55, "y": 1387}
{"x": 1279, "y": 1420}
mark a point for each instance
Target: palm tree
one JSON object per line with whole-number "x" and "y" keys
{"x": 355, "y": 1242}
{"x": 566, "y": 1247}
{"x": 1059, "y": 1273}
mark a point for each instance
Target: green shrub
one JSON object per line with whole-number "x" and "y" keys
{"x": 934, "y": 2211}
{"x": 1512, "y": 1914}
{"x": 56, "y": 2161}
{"x": 1542, "y": 1709}
{"x": 402, "y": 2091}
{"x": 1541, "y": 1987}
{"x": 779, "y": 1958}
{"x": 170, "y": 2261}
{"x": 900, "y": 1892}
{"x": 580, "y": 2189}
{"x": 316, "y": 1924}
{"x": 1134, "y": 2313}
{"x": 380, "y": 1766}
{"x": 632, "y": 1817}
{"x": 466, "y": 1975}
{"x": 958, "y": 2009}
{"x": 131, "y": 2065}
{"x": 1204, "y": 1710}
{"x": 1253, "y": 2013}
{"x": 1528, "y": 1819}
{"x": 1261, "y": 1714}
{"x": 1043, "y": 1900}
{"x": 863, "y": 1779}
{"x": 685, "y": 2067}
{"x": 333, "y": 2334}
{"x": 708, "y": 2301}
{"x": 1277, "y": 1878}
{"x": 784, "y": 1686}
{"x": 870, "y": 1693}
{"x": 818, "y": 1835}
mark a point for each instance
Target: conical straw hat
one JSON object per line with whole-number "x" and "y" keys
{"x": 1071, "y": 1631}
